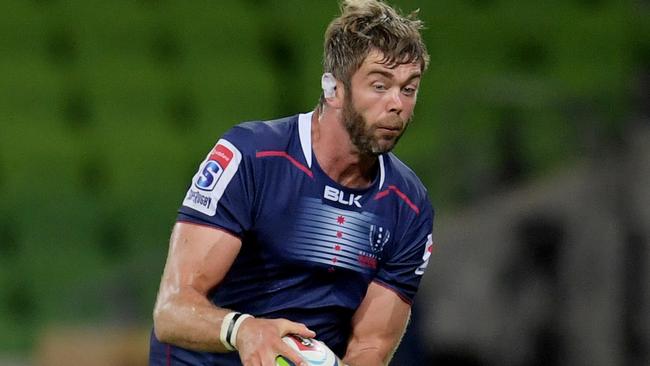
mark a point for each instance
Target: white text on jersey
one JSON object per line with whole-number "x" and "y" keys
{"x": 336, "y": 195}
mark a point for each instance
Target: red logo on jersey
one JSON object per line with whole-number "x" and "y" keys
{"x": 367, "y": 261}
{"x": 221, "y": 155}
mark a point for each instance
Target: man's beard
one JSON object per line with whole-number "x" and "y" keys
{"x": 363, "y": 136}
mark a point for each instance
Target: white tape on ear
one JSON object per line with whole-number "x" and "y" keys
{"x": 328, "y": 83}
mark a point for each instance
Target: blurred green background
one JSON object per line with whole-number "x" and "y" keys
{"x": 107, "y": 107}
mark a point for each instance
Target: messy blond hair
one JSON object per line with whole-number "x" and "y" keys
{"x": 366, "y": 25}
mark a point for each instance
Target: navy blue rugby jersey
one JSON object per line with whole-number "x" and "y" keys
{"x": 310, "y": 247}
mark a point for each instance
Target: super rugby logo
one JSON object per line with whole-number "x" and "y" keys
{"x": 336, "y": 195}
{"x": 213, "y": 167}
{"x": 197, "y": 198}
{"x": 214, "y": 175}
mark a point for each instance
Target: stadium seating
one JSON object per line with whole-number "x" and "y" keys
{"x": 106, "y": 108}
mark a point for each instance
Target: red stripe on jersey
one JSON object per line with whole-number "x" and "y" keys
{"x": 382, "y": 194}
{"x": 283, "y": 154}
{"x": 399, "y": 194}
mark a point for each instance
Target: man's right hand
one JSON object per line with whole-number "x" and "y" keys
{"x": 259, "y": 341}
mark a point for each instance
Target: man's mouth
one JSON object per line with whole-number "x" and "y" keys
{"x": 390, "y": 128}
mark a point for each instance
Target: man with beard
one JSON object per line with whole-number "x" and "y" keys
{"x": 307, "y": 225}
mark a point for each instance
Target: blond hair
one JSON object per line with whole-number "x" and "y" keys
{"x": 366, "y": 25}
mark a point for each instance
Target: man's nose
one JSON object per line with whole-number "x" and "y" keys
{"x": 395, "y": 104}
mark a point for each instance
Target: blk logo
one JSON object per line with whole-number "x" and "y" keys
{"x": 337, "y": 195}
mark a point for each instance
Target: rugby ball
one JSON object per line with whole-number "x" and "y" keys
{"x": 313, "y": 351}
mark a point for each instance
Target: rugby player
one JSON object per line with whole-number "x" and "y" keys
{"x": 308, "y": 224}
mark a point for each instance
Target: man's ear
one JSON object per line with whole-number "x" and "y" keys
{"x": 333, "y": 90}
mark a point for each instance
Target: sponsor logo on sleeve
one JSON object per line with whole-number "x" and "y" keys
{"x": 210, "y": 182}
{"x": 428, "y": 249}
{"x": 211, "y": 170}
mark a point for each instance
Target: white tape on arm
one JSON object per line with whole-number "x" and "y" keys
{"x": 226, "y": 325}
{"x": 232, "y": 339}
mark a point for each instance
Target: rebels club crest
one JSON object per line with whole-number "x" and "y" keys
{"x": 378, "y": 237}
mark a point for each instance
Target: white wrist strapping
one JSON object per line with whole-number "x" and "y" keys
{"x": 235, "y": 329}
{"x": 225, "y": 324}
{"x": 230, "y": 327}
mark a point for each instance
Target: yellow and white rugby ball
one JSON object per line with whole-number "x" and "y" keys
{"x": 313, "y": 351}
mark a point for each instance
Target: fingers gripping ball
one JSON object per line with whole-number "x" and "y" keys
{"x": 313, "y": 351}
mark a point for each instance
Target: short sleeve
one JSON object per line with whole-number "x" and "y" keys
{"x": 221, "y": 191}
{"x": 403, "y": 269}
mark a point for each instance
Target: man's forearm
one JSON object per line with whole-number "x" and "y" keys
{"x": 190, "y": 324}
{"x": 364, "y": 358}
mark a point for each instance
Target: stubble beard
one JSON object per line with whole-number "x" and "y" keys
{"x": 364, "y": 136}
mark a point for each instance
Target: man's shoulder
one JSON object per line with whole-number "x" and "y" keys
{"x": 403, "y": 178}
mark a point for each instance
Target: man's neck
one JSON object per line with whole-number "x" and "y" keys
{"x": 336, "y": 154}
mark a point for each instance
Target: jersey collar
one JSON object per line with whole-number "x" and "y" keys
{"x": 304, "y": 132}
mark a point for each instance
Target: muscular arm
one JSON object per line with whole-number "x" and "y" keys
{"x": 377, "y": 327}
{"x": 199, "y": 257}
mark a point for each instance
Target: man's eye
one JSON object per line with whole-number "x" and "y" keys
{"x": 379, "y": 87}
{"x": 409, "y": 90}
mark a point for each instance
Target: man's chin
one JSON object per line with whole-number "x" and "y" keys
{"x": 383, "y": 147}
